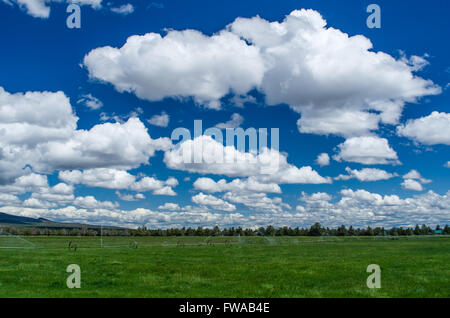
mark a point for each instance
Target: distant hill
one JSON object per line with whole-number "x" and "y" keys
{"x": 8, "y": 220}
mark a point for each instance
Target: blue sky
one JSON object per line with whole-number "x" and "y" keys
{"x": 92, "y": 152}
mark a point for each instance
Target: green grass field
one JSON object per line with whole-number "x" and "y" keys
{"x": 225, "y": 267}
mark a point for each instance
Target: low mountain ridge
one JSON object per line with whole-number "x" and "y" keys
{"x": 9, "y": 220}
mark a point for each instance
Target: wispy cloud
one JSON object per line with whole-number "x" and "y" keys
{"x": 125, "y": 9}
{"x": 159, "y": 120}
{"x": 90, "y": 102}
{"x": 235, "y": 121}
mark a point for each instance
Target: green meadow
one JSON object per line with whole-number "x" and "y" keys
{"x": 225, "y": 266}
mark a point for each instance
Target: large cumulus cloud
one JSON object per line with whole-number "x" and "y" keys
{"x": 39, "y": 133}
{"x": 269, "y": 166}
{"x": 180, "y": 64}
{"x": 429, "y": 130}
{"x": 337, "y": 82}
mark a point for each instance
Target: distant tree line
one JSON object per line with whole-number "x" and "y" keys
{"x": 315, "y": 230}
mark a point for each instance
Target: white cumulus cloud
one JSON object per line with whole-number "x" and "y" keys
{"x": 270, "y": 166}
{"x": 180, "y": 64}
{"x": 413, "y": 180}
{"x": 124, "y": 9}
{"x": 130, "y": 197}
{"x": 213, "y": 202}
{"x": 368, "y": 150}
{"x": 411, "y": 184}
{"x": 334, "y": 80}
{"x": 39, "y": 130}
{"x": 338, "y": 83}
{"x": 250, "y": 184}
{"x": 258, "y": 201}
{"x": 169, "y": 207}
{"x": 354, "y": 207}
{"x": 366, "y": 174}
{"x": 119, "y": 180}
{"x": 159, "y": 120}
{"x": 89, "y": 202}
{"x": 90, "y": 102}
{"x": 414, "y": 174}
{"x": 235, "y": 122}
{"x": 430, "y": 130}
{"x": 323, "y": 159}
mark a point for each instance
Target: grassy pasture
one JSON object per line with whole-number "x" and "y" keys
{"x": 225, "y": 266}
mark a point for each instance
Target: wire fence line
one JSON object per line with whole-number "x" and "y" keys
{"x": 73, "y": 244}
